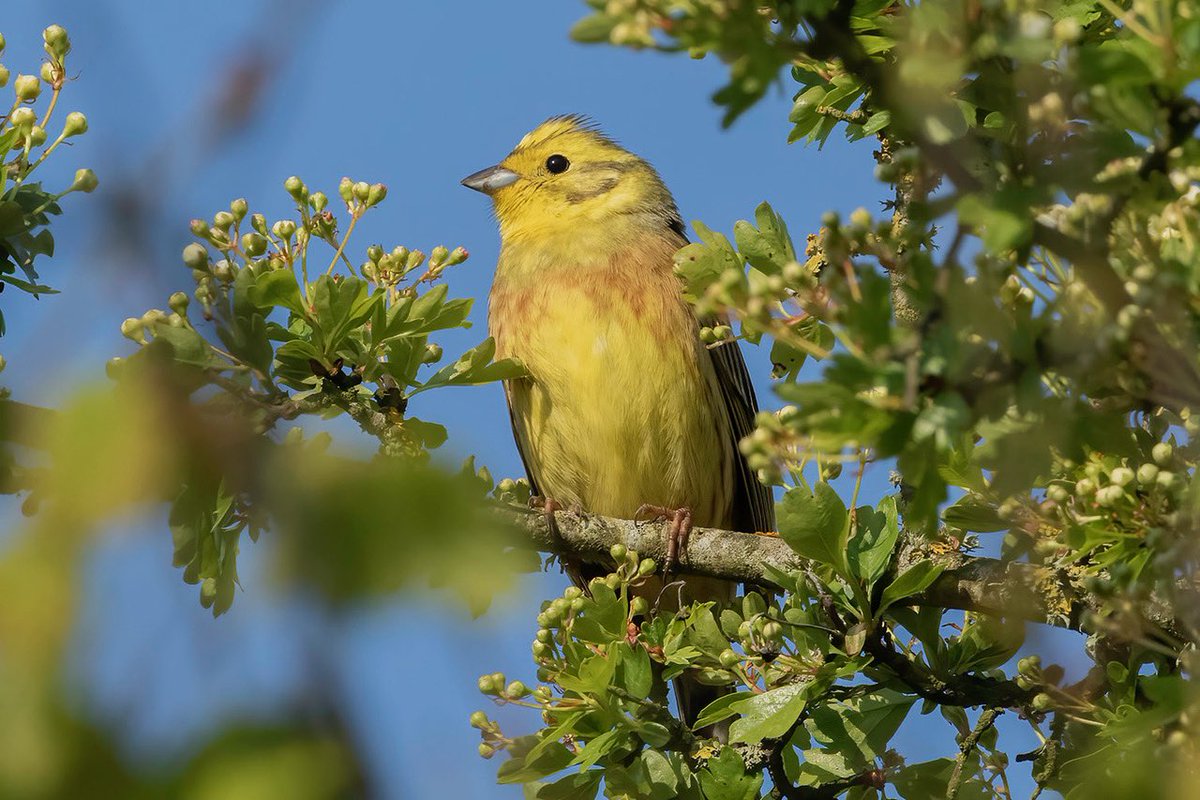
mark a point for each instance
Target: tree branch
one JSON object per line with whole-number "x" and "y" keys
{"x": 983, "y": 585}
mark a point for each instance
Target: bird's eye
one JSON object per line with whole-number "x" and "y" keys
{"x": 557, "y": 163}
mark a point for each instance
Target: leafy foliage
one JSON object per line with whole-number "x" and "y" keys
{"x": 1017, "y": 335}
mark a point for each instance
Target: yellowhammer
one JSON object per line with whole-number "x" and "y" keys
{"x": 624, "y": 407}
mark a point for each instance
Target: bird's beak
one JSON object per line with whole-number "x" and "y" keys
{"x": 490, "y": 179}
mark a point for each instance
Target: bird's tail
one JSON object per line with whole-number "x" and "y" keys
{"x": 692, "y": 697}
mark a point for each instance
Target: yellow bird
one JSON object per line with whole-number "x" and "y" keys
{"x": 624, "y": 406}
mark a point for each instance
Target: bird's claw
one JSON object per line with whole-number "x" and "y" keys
{"x": 678, "y": 531}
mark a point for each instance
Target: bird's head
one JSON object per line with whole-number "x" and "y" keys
{"x": 565, "y": 177}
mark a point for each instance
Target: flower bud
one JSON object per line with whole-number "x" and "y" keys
{"x": 437, "y": 256}
{"x": 284, "y": 229}
{"x": 178, "y": 302}
{"x": 296, "y": 188}
{"x": 1121, "y": 476}
{"x": 239, "y": 208}
{"x": 486, "y": 750}
{"x": 22, "y": 118}
{"x": 617, "y": 551}
{"x": 4, "y": 73}
{"x": 49, "y": 72}
{"x": 457, "y": 256}
{"x": 2, "y": 43}
{"x": 254, "y": 244}
{"x": 646, "y": 567}
{"x": 375, "y": 194}
{"x": 479, "y": 719}
{"x": 433, "y": 354}
{"x": 729, "y": 658}
{"x": 516, "y": 689}
{"x": 85, "y": 181}
{"x": 1147, "y": 473}
{"x": 75, "y": 124}
{"x": 374, "y": 253}
{"x": 131, "y": 328}
{"x": 37, "y": 136}
{"x": 1109, "y": 495}
{"x": 361, "y": 191}
{"x": 56, "y": 42}
{"x": 485, "y": 684}
{"x": 208, "y": 592}
{"x": 113, "y": 367}
{"x": 223, "y": 220}
{"x": 27, "y": 88}
{"x": 1162, "y": 453}
{"x": 195, "y": 256}
{"x": 346, "y": 189}
{"x": 639, "y": 606}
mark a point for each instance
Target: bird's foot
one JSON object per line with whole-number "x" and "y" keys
{"x": 678, "y": 530}
{"x": 549, "y": 507}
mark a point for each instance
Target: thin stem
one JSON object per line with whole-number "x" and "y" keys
{"x": 354, "y": 215}
{"x": 50, "y": 108}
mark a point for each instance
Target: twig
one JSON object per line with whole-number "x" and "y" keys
{"x": 986, "y": 720}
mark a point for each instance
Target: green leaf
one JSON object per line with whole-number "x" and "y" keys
{"x": 576, "y": 786}
{"x": 877, "y": 122}
{"x": 769, "y": 714}
{"x": 635, "y": 673}
{"x": 972, "y": 513}
{"x": 701, "y": 263}
{"x": 815, "y": 525}
{"x": 277, "y": 288}
{"x": 599, "y": 747}
{"x": 725, "y": 778}
{"x": 189, "y": 347}
{"x": 548, "y": 761}
{"x": 862, "y": 728}
{"x": 913, "y": 580}
{"x": 474, "y": 366}
{"x": 871, "y": 549}
{"x": 767, "y": 247}
{"x": 721, "y": 708}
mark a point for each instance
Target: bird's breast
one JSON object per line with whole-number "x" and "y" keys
{"x": 621, "y": 407}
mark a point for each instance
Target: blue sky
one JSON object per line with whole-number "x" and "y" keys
{"x": 416, "y": 95}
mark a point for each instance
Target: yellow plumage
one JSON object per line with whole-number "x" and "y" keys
{"x": 623, "y": 406}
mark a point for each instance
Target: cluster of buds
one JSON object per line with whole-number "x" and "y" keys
{"x": 389, "y": 269}
{"x": 513, "y": 492}
{"x": 360, "y": 195}
{"x": 137, "y": 328}
{"x": 771, "y": 443}
{"x": 23, "y": 119}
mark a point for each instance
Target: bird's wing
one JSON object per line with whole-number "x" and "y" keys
{"x": 753, "y": 505}
{"x": 519, "y": 437}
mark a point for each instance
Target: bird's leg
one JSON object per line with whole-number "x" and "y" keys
{"x": 678, "y": 531}
{"x": 548, "y": 506}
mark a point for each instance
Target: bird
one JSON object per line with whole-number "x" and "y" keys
{"x": 622, "y": 408}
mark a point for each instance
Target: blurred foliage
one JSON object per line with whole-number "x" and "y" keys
{"x": 1016, "y": 333}
{"x": 191, "y": 424}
